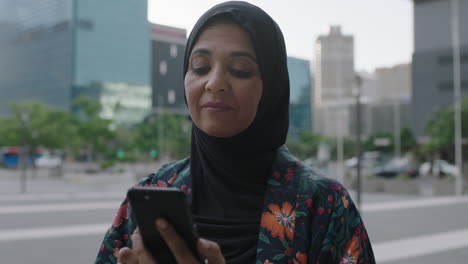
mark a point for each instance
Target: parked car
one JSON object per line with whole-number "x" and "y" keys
{"x": 47, "y": 161}
{"x": 439, "y": 168}
{"x": 395, "y": 167}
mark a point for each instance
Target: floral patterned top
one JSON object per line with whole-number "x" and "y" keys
{"x": 307, "y": 217}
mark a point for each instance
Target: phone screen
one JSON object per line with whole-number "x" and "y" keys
{"x": 150, "y": 203}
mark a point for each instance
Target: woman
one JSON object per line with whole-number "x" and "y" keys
{"x": 251, "y": 199}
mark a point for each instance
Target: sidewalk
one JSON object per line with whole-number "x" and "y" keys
{"x": 77, "y": 181}
{"x": 46, "y": 181}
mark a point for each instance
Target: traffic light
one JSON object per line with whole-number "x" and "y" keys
{"x": 154, "y": 153}
{"x": 120, "y": 154}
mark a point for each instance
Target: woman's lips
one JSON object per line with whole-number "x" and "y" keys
{"x": 217, "y": 107}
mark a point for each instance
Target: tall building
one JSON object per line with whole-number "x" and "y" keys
{"x": 168, "y": 48}
{"x": 432, "y": 72}
{"x": 301, "y": 96}
{"x": 334, "y": 66}
{"x": 393, "y": 82}
{"x": 56, "y": 50}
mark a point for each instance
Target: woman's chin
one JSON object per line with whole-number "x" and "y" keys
{"x": 218, "y": 131}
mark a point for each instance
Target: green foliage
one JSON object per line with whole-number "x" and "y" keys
{"x": 94, "y": 131}
{"x": 369, "y": 143}
{"x": 306, "y": 146}
{"x": 441, "y": 128}
{"x": 167, "y": 134}
{"x": 408, "y": 141}
{"x": 45, "y": 126}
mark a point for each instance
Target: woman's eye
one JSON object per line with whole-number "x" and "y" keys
{"x": 201, "y": 70}
{"x": 241, "y": 74}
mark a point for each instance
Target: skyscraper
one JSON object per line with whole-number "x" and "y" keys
{"x": 334, "y": 66}
{"x": 300, "y": 107}
{"x": 432, "y": 73}
{"x": 56, "y": 50}
{"x": 334, "y": 81}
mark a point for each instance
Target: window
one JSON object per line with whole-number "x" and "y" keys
{"x": 448, "y": 86}
{"x": 162, "y": 67}
{"x": 171, "y": 96}
{"x": 173, "y": 50}
{"x": 448, "y": 59}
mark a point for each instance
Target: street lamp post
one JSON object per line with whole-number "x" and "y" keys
{"x": 23, "y": 153}
{"x": 397, "y": 128}
{"x": 457, "y": 95}
{"x": 357, "y": 94}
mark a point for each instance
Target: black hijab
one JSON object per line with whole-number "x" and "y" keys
{"x": 229, "y": 175}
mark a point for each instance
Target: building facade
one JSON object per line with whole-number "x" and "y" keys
{"x": 56, "y": 50}
{"x": 301, "y": 96}
{"x": 168, "y": 50}
{"x": 338, "y": 118}
{"x": 393, "y": 82}
{"x": 334, "y": 66}
{"x": 432, "y": 70}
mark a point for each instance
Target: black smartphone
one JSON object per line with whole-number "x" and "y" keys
{"x": 150, "y": 203}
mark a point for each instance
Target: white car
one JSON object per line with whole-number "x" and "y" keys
{"x": 439, "y": 167}
{"x": 48, "y": 162}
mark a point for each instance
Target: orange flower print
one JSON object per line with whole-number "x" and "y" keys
{"x": 300, "y": 258}
{"x": 267, "y": 262}
{"x": 173, "y": 178}
{"x": 280, "y": 221}
{"x": 345, "y": 202}
{"x": 351, "y": 251}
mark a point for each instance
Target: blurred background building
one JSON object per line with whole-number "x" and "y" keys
{"x": 168, "y": 48}
{"x": 334, "y": 81}
{"x": 334, "y": 65}
{"x": 432, "y": 72}
{"x": 301, "y": 96}
{"x": 56, "y": 50}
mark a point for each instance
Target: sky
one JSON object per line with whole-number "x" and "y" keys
{"x": 382, "y": 29}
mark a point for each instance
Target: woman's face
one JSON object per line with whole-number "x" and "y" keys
{"x": 223, "y": 83}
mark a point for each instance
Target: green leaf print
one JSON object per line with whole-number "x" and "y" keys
{"x": 285, "y": 244}
{"x": 279, "y": 256}
{"x": 273, "y": 182}
{"x": 264, "y": 238}
{"x": 300, "y": 213}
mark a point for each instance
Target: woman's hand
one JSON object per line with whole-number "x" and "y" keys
{"x": 139, "y": 255}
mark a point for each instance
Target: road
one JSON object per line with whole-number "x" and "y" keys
{"x": 66, "y": 226}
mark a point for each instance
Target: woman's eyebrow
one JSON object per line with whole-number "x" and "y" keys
{"x": 202, "y": 51}
{"x": 243, "y": 53}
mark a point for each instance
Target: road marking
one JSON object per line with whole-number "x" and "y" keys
{"x": 416, "y": 203}
{"x": 46, "y": 208}
{"x": 52, "y": 232}
{"x": 384, "y": 252}
{"x": 60, "y": 196}
{"x": 420, "y": 246}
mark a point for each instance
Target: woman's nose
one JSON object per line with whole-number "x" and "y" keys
{"x": 216, "y": 82}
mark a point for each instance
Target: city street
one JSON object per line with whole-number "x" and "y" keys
{"x": 67, "y": 225}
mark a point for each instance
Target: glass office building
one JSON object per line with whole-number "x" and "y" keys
{"x": 55, "y": 50}
{"x": 301, "y": 85}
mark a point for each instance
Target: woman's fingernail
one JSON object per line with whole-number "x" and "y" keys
{"x": 161, "y": 224}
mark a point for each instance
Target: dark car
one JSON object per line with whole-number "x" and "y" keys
{"x": 395, "y": 167}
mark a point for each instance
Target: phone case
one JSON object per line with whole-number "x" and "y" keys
{"x": 150, "y": 203}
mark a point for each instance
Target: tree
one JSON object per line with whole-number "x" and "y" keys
{"x": 45, "y": 126}
{"x": 370, "y": 143}
{"x": 167, "y": 133}
{"x": 408, "y": 141}
{"x": 441, "y": 129}
{"x": 94, "y": 131}
{"x": 307, "y": 145}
